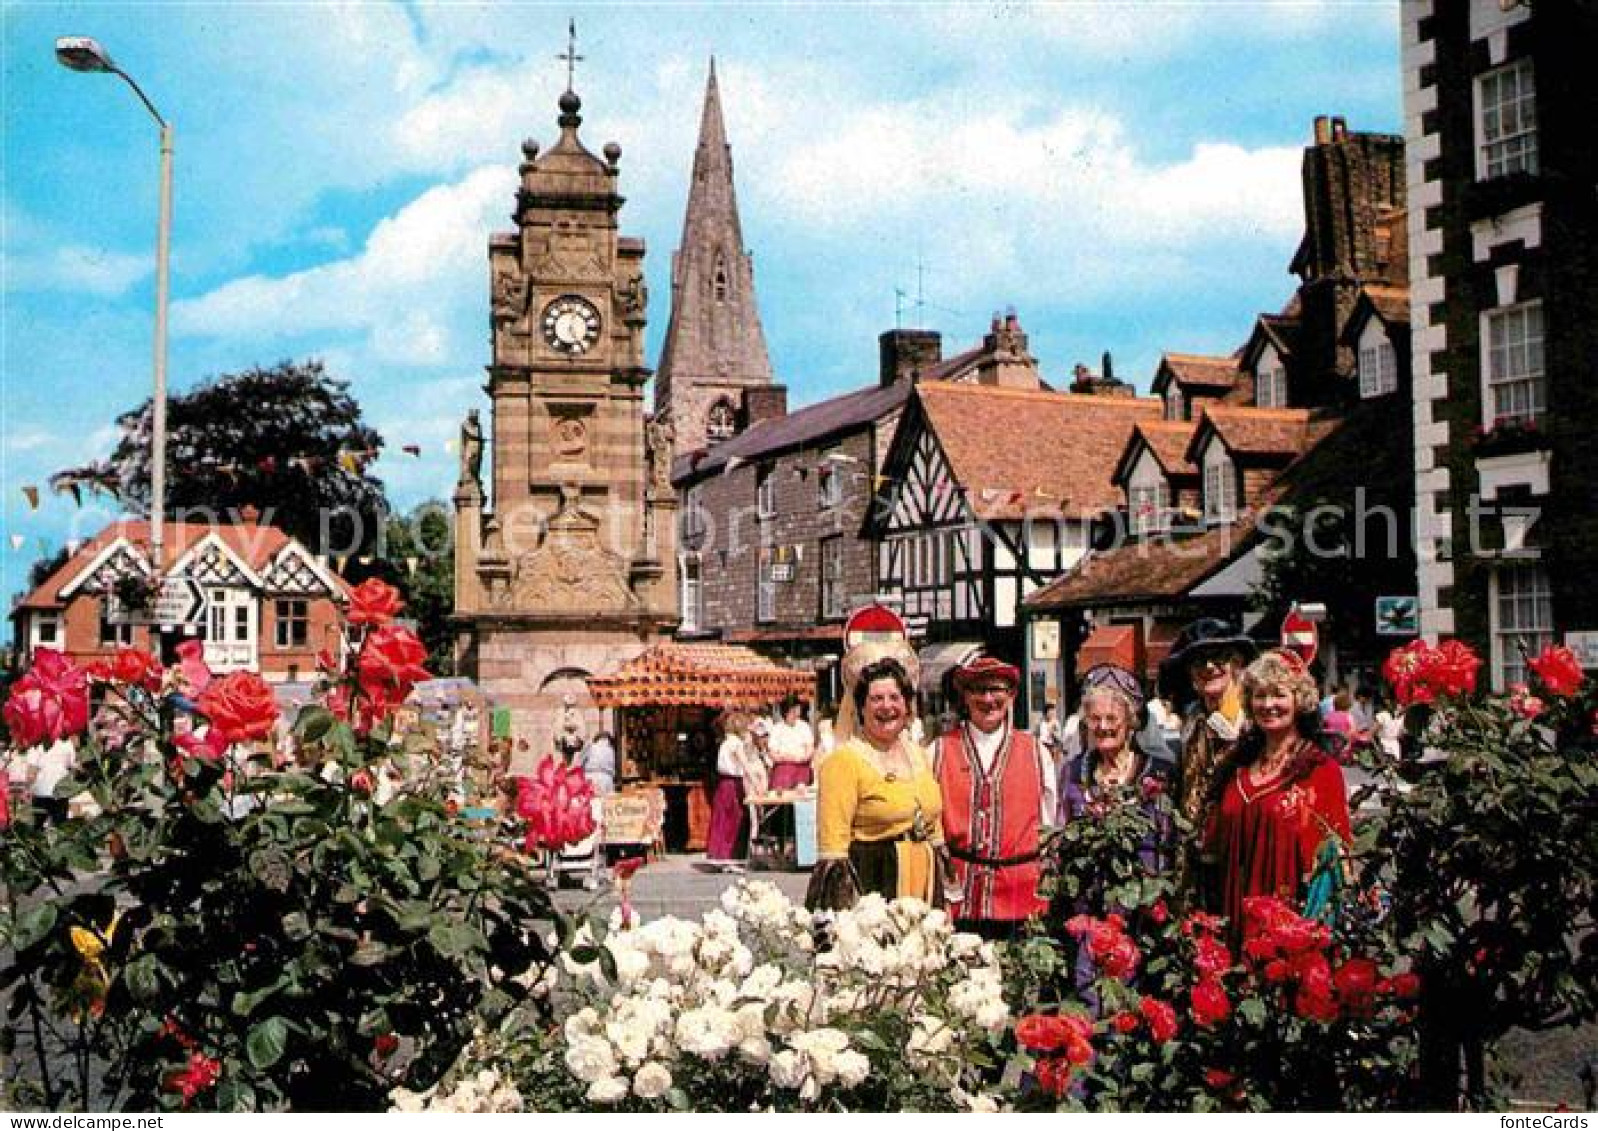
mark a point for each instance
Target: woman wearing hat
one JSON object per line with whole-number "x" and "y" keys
{"x": 1114, "y": 769}
{"x": 1282, "y": 798}
{"x": 1204, "y": 669}
{"x": 877, "y": 804}
{"x": 998, "y": 790}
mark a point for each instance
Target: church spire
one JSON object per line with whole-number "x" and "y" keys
{"x": 715, "y": 349}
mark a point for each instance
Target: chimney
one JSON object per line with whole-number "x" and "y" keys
{"x": 1339, "y": 130}
{"x": 905, "y": 353}
{"x": 1323, "y": 130}
{"x": 765, "y": 402}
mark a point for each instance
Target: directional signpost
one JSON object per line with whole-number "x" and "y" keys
{"x": 181, "y": 601}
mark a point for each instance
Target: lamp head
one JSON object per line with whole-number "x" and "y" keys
{"x": 80, "y": 53}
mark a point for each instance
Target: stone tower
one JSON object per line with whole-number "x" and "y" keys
{"x": 715, "y": 376}
{"x": 574, "y": 568}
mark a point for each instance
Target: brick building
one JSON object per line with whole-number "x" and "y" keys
{"x": 269, "y": 605}
{"x": 1499, "y": 104}
{"x": 1310, "y": 411}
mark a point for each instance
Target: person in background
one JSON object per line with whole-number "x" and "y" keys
{"x": 825, "y": 743}
{"x": 1387, "y": 730}
{"x": 1049, "y": 731}
{"x": 1282, "y": 798}
{"x": 598, "y": 763}
{"x": 48, "y": 767}
{"x": 727, "y": 844}
{"x": 757, "y": 759}
{"x": 1364, "y": 710}
{"x": 878, "y": 807}
{"x": 1340, "y": 719}
{"x": 793, "y": 748}
{"x": 998, "y": 791}
{"x": 1204, "y": 669}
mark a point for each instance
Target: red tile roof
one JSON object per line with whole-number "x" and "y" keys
{"x": 1271, "y": 433}
{"x": 255, "y": 544}
{"x": 723, "y": 675}
{"x": 1202, "y": 370}
{"x": 1018, "y": 450}
{"x": 1146, "y": 569}
{"x": 1167, "y": 440}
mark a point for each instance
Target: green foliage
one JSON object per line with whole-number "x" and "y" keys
{"x": 275, "y": 920}
{"x": 267, "y": 438}
{"x": 419, "y": 560}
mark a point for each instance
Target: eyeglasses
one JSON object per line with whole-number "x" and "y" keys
{"x": 990, "y": 689}
{"x": 1207, "y": 663}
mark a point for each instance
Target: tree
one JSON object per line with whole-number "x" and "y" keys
{"x": 419, "y": 560}
{"x": 288, "y": 441}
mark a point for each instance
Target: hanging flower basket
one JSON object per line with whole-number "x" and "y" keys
{"x": 136, "y": 592}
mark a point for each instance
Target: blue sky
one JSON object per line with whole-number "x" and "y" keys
{"x": 1124, "y": 175}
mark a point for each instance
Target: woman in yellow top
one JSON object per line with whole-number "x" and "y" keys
{"x": 878, "y": 807}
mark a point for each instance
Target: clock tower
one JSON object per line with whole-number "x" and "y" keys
{"x": 569, "y": 567}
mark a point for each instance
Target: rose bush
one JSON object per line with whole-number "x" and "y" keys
{"x": 759, "y": 1006}
{"x": 224, "y": 932}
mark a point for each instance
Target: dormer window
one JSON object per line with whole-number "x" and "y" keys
{"x": 1147, "y": 497}
{"x": 1270, "y": 384}
{"x": 1173, "y": 403}
{"x": 1378, "y": 365}
{"x": 1220, "y": 485}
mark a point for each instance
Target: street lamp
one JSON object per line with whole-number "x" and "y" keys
{"x": 80, "y": 53}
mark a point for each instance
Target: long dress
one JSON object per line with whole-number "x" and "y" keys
{"x": 728, "y": 840}
{"x": 991, "y": 819}
{"x": 792, "y": 745}
{"x": 875, "y": 832}
{"x": 1264, "y": 836}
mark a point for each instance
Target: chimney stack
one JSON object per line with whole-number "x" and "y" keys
{"x": 905, "y": 353}
{"x": 1323, "y": 130}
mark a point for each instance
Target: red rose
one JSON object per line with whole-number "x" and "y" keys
{"x": 1523, "y": 703}
{"x": 1456, "y": 667}
{"x": 1315, "y": 1000}
{"x": 374, "y": 602}
{"x": 1403, "y": 668}
{"x": 1161, "y": 1018}
{"x": 1038, "y": 1032}
{"x": 1558, "y": 669}
{"x": 361, "y": 782}
{"x": 1159, "y": 913}
{"x": 130, "y": 667}
{"x": 1210, "y": 955}
{"x": 1125, "y": 1022}
{"x": 208, "y": 749}
{"x": 50, "y": 702}
{"x": 240, "y": 705}
{"x": 1054, "y": 1076}
{"x": 1356, "y": 983}
{"x": 391, "y": 664}
{"x": 1116, "y": 955}
{"x": 1405, "y": 986}
{"x": 1218, "y": 1078}
{"x": 557, "y": 804}
{"x": 199, "y": 1074}
{"x": 385, "y": 1045}
{"x": 1209, "y": 1002}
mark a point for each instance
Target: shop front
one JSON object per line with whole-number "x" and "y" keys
{"x": 668, "y": 703}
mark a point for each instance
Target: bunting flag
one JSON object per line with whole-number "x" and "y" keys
{"x": 73, "y": 544}
{"x": 76, "y": 492}
{"x": 365, "y": 559}
{"x": 413, "y": 450}
{"x": 449, "y": 447}
{"x": 347, "y": 461}
{"x": 17, "y": 541}
{"x": 339, "y": 561}
{"x": 32, "y": 494}
{"x": 411, "y": 563}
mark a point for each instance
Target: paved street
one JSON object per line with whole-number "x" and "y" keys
{"x": 677, "y": 885}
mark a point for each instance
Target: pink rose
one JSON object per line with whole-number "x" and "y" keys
{"x": 49, "y": 702}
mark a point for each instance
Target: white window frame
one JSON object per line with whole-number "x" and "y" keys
{"x": 113, "y": 635}
{"x": 1378, "y": 370}
{"x": 1528, "y": 354}
{"x": 1173, "y": 403}
{"x": 46, "y": 630}
{"x": 766, "y": 493}
{"x": 693, "y": 513}
{"x": 1220, "y": 485}
{"x": 1523, "y": 592}
{"x": 766, "y": 586}
{"x": 1270, "y": 386}
{"x": 284, "y": 618}
{"x": 834, "y": 600}
{"x": 691, "y": 588}
{"x": 1147, "y": 505}
{"x": 829, "y": 486}
{"x": 1506, "y": 121}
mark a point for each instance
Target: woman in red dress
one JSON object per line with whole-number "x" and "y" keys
{"x": 1284, "y": 795}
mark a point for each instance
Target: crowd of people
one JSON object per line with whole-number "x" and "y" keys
{"x": 1251, "y": 766}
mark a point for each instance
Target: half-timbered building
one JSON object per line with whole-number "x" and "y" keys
{"x": 265, "y": 603}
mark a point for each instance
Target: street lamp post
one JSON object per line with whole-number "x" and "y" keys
{"x": 80, "y": 53}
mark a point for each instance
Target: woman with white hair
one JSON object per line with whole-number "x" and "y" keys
{"x": 1282, "y": 798}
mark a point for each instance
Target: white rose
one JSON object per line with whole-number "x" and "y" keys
{"x": 583, "y": 1023}
{"x": 590, "y": 1059}
{"x": 630, "y": 1038}
{"x": 607, "y": 1090}
{"x": 708, "y": 1031}
{"x": 788, "y": 1069}
{"x": 652, "y": 1081}
{"x": 851, "y": 1068}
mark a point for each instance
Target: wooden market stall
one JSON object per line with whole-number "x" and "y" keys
{"x": 668, "y": 701}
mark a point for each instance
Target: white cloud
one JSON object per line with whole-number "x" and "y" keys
{"x": 74, "y": 269}
{"x": 417, "y": 268}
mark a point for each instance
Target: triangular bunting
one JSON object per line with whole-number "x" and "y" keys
{"x": 411, "y": 563}
{"x": 32, "y": 494}
{"x": 17, "y": 541}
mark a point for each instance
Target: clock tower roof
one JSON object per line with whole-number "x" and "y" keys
{"x": 568, "y": 168}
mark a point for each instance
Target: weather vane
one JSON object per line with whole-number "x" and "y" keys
{"x": 571, "y": 57}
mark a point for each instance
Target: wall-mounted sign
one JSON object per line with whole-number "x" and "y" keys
{"x": 1585, "y": 645}
{"x": 1397, "y": 616}
{"x": 1045, "y": 640}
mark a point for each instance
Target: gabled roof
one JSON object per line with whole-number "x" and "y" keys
{"x": 1390, "y": 304}
{"x": 1197, "y": 371}
{"x": 809, "y": 425}
{"x": 1147, "y": 569}
{"x": 1280, "y": 330}
{"x": 1015, "y": 450}
{"x": 1166, "y": 441}
{"x": 253, "y": 544}
{"x": 1269, "y": 434}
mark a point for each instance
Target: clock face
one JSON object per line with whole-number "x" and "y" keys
{"x": 571, "y": 325}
